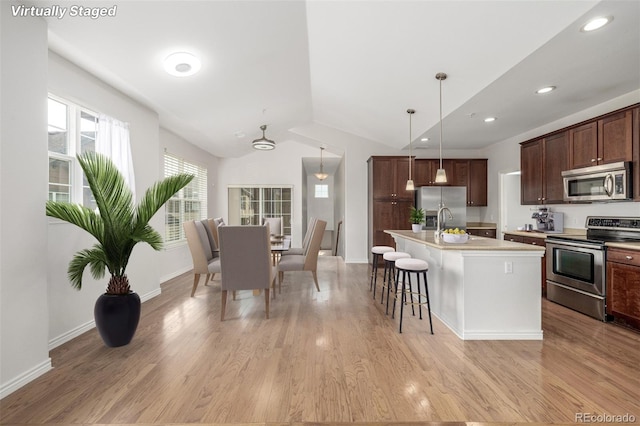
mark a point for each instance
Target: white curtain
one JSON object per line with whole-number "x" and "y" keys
{"x": 113, "y": 140}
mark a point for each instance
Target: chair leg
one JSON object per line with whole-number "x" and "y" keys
{"x": 234, "y": 295}
{"x": 223, "y": 304}
{"x": 196, "y": 279}
{"x": 213, "y": 275}
{"x": 315, "y": 279}
{"x": 403, "y": 299}
{"x": 374, "y": 271}
{"x": 206, "y": 281}
{"x": 426, "y": 291}
{"x": 266, "y": 301}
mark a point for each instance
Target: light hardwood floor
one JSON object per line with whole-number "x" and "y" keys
{"x": 332, "y": 356}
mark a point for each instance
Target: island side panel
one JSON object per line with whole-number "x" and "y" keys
{"x": 502, "y": 296}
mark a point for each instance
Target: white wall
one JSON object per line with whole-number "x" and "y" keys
{"x": 24, "y": 312}
{"x": 71, "y": 311}
{"x": 504, "y": 157}
{"x": 175, "y": 259}
{"x": 339, "y": 206}
{"x": 282, "y": 166}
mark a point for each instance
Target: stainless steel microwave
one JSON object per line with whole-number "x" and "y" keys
{"x": 607, "y": 182}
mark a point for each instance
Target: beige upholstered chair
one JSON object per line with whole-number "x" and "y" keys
{"x": 275, "y": 224}
{"x": 245, "y": 259}
{"x": 201, "y": 246}
{"x": 307, "y": 261}
{"x": 305, "y": 241}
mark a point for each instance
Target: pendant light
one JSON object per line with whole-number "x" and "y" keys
{"x": 441, "y": 175}
{"x": 410, "y": 186}
{"x": 321, "y": 175}
{"x": 263, "y": 143}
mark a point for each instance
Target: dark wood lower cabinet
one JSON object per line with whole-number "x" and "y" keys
{"x": 482, "y": 232}
{"x": 623, "y": 286}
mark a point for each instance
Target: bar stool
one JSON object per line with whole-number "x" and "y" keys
{"x": 407, "y": 267}
{"x": 377, "y": 252}
{"x": 389, "y": 277}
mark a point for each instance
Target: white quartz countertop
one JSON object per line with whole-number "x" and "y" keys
{"x": 474, "y": 242}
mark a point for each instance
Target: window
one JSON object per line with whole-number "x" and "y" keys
{"x": 72, "y": 130}
{"x": 190, "y": 203}
{"x": 248, "y": 205}
{"x": 322, "y": 191}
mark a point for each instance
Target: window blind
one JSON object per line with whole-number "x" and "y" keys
{"x": 190, "y": 203}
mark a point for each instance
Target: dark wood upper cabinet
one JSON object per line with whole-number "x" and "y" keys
{"x": 531, "y": 167}
{"x": 610, "y": 138}
{"x": 477, "y": 183}
{"x": 389, "y": 178}
{"x": 615, "y": 138}
{"x": 583, "y": 145}
{"x": 556, "y": 160}
{"x": 607, "y": 140}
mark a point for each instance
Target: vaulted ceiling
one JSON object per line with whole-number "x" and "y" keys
{"x": 357, "y": 66}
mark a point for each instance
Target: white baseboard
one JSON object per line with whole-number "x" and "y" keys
{"x": 89, "y": 325}
{"x": 172, "y": 275}
{"x": 26, "y": 377}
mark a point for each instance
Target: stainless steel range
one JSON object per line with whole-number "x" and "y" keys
{"x": 576, "y": 264}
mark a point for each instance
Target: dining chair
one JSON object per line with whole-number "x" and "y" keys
{"x": 245, "y": 259}
{"x": 305, "y": 241}
{"x": 201, "y": 246}
{"x": 275, "y": 224}
{"x": 307, "y": 261}
{"x": 214, "y": 224}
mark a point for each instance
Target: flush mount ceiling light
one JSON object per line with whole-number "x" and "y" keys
{"x": 263, "y": 143}
{"x": 545, "y": 90}
{"x": 181, "y": 64}
{"x": 321, "y": 175}
{"x": 596, "y": 23}
{"x": 441, "y": 175}
{"x": 410, "y": 186}
{"x": 489, "y": 119}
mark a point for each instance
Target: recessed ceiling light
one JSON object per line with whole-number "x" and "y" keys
{"x": 545, "y": 90}
{"x": 181, "y": 64}
{"x": 424, "y": 139}
{"x": 596, "y": 23}
{"x": 489, "y": 119}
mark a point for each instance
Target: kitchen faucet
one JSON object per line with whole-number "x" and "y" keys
{"x": 441, "y": 210}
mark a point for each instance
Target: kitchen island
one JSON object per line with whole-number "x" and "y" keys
{"x": 484, "y": 289}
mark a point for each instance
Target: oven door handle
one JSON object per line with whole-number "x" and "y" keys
{"x": 559, "y": 244}
{"x": 608, "y": 184}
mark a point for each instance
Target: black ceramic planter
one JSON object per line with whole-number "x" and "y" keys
{"x": 117, "y": 318}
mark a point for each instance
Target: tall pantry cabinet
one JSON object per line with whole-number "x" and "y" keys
{"x": 389, "y": 201}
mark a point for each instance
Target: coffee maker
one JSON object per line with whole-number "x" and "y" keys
{"x": 548, "y": 222}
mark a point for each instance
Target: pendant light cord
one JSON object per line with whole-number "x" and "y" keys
{"x": 440, "y": 123}
{"x": 410, "y": 149}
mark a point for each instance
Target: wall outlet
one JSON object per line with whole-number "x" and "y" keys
{"x": 508, "y": 267}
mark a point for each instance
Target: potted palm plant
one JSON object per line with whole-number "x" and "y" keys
{"x": 118, "y": 226}
{"x": 416, "y": 217}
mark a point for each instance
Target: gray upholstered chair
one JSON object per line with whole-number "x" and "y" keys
{"x": 214, "y": 224}
{"x": 307, "y": 261}
{"x": 275, "y": 224}
{"x": 245, "y": 259}
{"x": 201, "y": 246}
{"x": 305, "y": 241}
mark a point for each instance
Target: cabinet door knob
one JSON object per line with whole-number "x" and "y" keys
{"x": 593, "y": 160}
{"x": 599, "y": 158}
{"x": 534, "y": 243}
{"x": 629, "y": 257}
{"x": 539, "y": 198}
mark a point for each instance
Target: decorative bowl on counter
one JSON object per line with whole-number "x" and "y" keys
{"x": 455, "y": 238}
